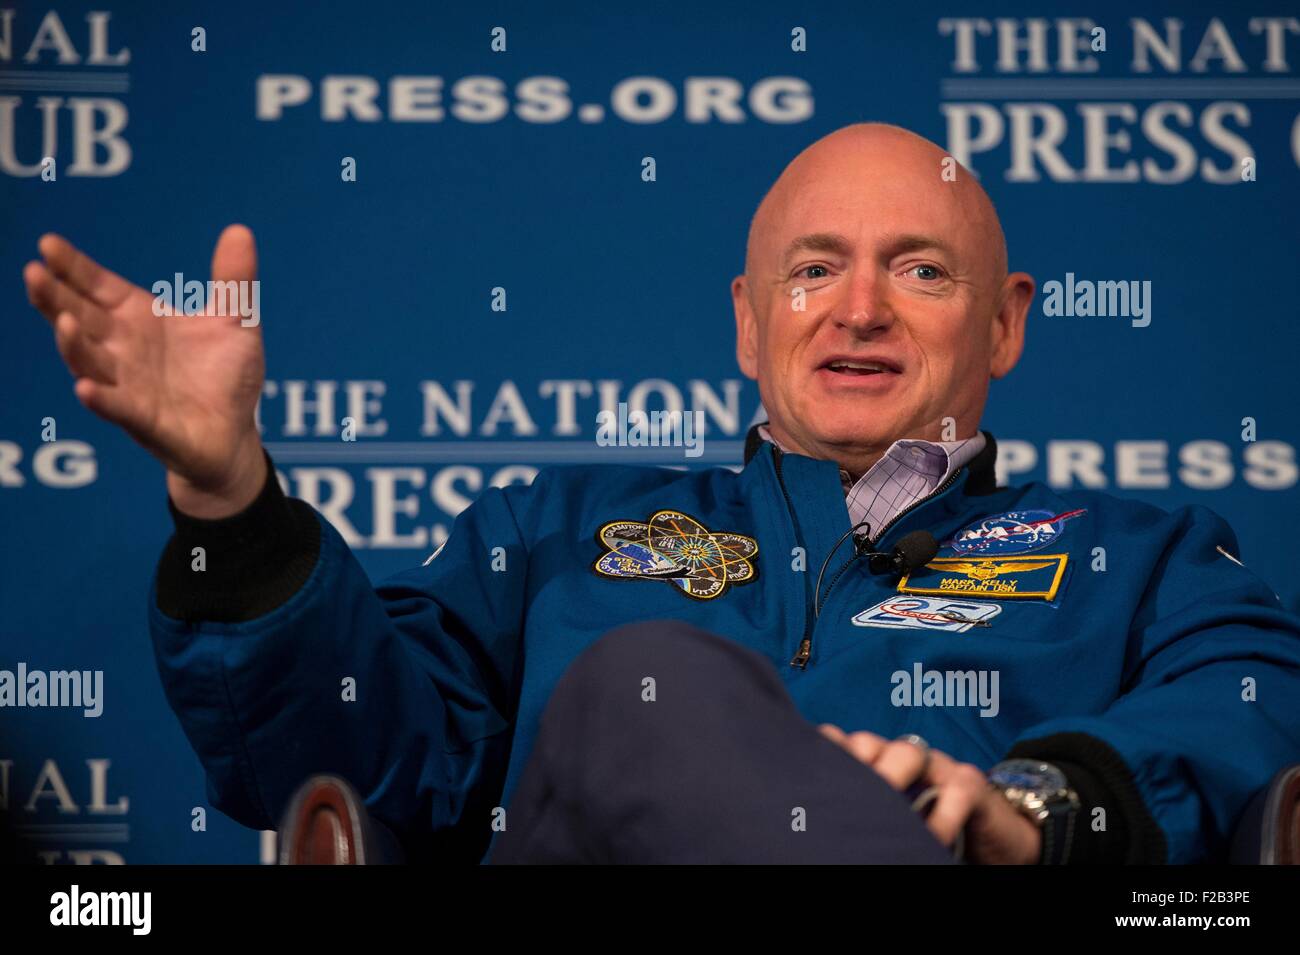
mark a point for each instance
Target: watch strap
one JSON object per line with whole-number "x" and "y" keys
{"x": 1057, "y": 828}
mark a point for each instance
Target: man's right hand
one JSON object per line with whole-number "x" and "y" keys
{"x": 996, "y": 833}
{"x": 184, "y": 386}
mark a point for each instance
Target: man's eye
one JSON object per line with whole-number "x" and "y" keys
{"x": 814, "y": 271}
{"x": 927, "y": 273}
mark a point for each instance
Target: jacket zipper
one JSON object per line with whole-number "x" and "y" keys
{"x": 817, "y": 604}
{"x": 952, "y": 478}
{"x": 805, "y": 646}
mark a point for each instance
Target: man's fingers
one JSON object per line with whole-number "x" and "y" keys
{"x": 958, "y": 798}
{"x": 941, "y": 768}
{"x": 52, "y": 297}
{"x": 106, "y": 288}
{"x": 960, "y": 786}
{"x": 900, "y": 763}
{"x": 832, "y": 732}
{"x": 865, "y": 747}
{"x": 84, "y": 357}
{"x": 112, "y": 402}
{"x": 235, "y": 257}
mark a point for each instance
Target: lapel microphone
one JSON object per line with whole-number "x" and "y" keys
{"x": 912, "y": 551}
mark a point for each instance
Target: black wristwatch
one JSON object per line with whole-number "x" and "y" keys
{"x": 1040, "y": 791}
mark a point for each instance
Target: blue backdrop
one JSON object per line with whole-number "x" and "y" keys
{"x": 1170, "y": 156}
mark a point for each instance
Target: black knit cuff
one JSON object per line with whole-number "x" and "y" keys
{"x": 1101, "y": 778}
{"x": 252, "y": 561}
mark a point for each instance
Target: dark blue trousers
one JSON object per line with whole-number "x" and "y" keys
{"x": 718, "y": 768}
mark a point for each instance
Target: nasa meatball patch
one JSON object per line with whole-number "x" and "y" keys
{"x": 1015, "y": 532}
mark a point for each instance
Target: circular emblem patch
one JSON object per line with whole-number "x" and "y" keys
{"x": 1015, "y": 532}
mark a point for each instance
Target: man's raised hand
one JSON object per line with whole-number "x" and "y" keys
{"x": 184, "y": 386}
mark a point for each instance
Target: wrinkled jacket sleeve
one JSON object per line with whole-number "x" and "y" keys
{"x": 282, "y": 660}
{"x": 1210, "y": 707}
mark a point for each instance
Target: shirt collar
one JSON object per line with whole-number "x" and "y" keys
{"x": 952, "y": 455}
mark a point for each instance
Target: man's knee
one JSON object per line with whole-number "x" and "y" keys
{"x": 664, "y": 661}
{"x": 662, "y": 647}
{"x": 650, "y": 640}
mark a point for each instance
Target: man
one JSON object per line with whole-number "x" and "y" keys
{"x": 638, "y": 664}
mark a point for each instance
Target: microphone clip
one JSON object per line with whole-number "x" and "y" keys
{"x": 879, "y": 562}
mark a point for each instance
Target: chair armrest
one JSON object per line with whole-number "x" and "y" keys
{"x": 1268, "y": 832}
{"x": 326, "y": 823}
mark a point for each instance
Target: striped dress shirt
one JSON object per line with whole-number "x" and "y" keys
{"x": 905, "y": 473}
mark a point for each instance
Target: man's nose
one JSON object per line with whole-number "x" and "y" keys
{"x": 865, "y": 307}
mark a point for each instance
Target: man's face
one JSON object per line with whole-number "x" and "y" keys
{"x": 902, "y": 322}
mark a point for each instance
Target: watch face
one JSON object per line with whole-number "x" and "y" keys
{"x": 1031, "y": 775}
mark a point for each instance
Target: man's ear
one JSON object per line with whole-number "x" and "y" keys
{"x": 746, "y": 328}
{"x": 1009, "y": 323}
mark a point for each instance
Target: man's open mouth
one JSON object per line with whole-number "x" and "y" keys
{"x": 859, "y": 368}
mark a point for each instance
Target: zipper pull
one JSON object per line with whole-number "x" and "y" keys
{"x": 805, "y": 651}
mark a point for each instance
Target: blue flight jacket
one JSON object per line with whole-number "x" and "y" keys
{"x": 1127, "y": 643}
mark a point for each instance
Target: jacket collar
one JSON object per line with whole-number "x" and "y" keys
{"x": 982, "y": 477}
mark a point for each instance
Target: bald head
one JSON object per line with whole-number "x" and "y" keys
{"x": 870, "y": 156}
{"x": 876, "y": 303}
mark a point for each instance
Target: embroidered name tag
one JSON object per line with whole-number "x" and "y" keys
{"x": 1036, "y": 577}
